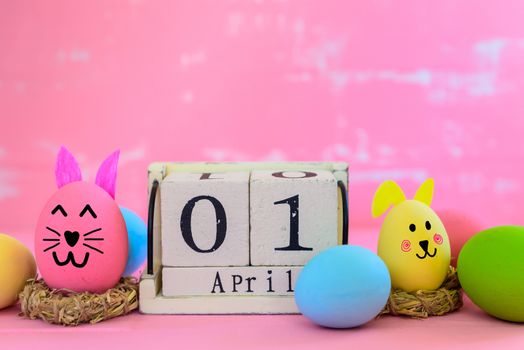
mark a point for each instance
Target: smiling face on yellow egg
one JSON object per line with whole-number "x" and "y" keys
{"x": 413, "y": 241}
{"x": 414, "y": 245}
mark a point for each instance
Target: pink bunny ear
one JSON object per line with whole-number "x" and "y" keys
{"x": 67, "y": 169}
{"x": 106, "y": 176}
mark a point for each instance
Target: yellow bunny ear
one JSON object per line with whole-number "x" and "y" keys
{"x": 388, "y": 193}
{"x": 425, "y": 192}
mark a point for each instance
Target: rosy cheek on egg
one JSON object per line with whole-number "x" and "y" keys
{"x": 405, "y": 246}
{"x": 438, "y": 238}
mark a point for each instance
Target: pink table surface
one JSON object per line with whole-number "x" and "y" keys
{"x": 468, "y": 328}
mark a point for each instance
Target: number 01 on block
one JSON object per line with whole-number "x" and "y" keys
{"x": 232, "y": 238}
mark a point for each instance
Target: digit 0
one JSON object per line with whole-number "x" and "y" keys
{"x": 221, "y": 220}
{"x": 281, "y": 174}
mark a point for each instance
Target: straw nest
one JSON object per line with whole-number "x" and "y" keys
{"x": 425, "y": 303}
{"x": 68, "y": 308}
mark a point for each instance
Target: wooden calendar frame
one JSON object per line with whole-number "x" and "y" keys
{"x": 150, "y": 290}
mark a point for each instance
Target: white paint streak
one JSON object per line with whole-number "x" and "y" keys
{"x": 132, "y": 155}
{"x": 339, "y": 79}
{"x": 422, "y": 77}
{"x": 335, "y": 151}
{"x": 455, "y": 151}
{"x": 226, "y": 154}
{"x": 319, "y": 56}
{"x": 386, "y": 150}
{"x": 275, "y": 155}
{"x": 357, "y": 154}
{"x": 322, "y": 58}
{"x": 299, "y": 28}
{"x": 439, "y": 84}
{"x": 416, "y": 175}
{"x": 453, "y": 137}
{"x": 362, "y": 146}
{"x": 503, "y": 186}
{"x": 476, "y": 84}
{"x": 471, "y": 182}
{"x": 260, "y": 21}
{"x": 386, "y": 155}
{"x": 188, "y": 59}
{"x": 303, "y": 77}
{"x": 7, "y": 189}
{"x": 281, "y": 21}
{"x": 341, "y": 121}
{"x": 438, "y": 96}
{"x": 489, "y": 51}
{"x": 223, "y": 154}
{"x": 48, "y": 146}
{"x": 74, "y": 55}
{"x": 442, "y": 86}
{"x": 20, "y": 86}
{"x": 187, "y": 97}
{"x": 79, "y": 55}
{"x": 235, "y": 22}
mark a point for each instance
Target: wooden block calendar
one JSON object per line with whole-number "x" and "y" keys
{"x": 227, "y": 238}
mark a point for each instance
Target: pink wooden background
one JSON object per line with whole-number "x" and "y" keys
{"x": 399, "y": 89}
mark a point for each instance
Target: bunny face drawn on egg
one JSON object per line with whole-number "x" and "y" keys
{"x": 413, "y": 241}
{"x": 81, "y": 237}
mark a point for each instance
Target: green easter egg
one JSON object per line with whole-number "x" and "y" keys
{"x": 491, "y": 271}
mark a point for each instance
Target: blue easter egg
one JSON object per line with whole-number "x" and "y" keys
{"x": 137, "y": 238}
{"x": 343, "y": 287}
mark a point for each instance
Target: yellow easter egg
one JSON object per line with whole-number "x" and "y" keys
{"x": 415, "y": 246}
{"x": 17, "y": 265}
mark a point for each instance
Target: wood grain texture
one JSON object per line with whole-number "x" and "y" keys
{"x": 315, "y": 215}
{"x": 229, "y": 281}
{"x": 193, "y": 231}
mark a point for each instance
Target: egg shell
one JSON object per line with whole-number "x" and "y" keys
{"x": 343, "y": 287}
{"x": 460, "y": 227}
{"x": 137, "y": 238}
{"x": 491, "y": 271}
{"x": 93, "y": 260}
{"x": 17, "y": 265}
{"x": 408, "y": 271}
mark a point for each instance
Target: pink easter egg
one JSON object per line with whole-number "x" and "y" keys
{"x": 81, "y": 239}
{"x": 460, "y": 227}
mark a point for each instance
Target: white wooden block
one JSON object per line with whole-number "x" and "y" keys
{"x": 293, "y": 215}
{"x": 224, "y": 281}
{"x": 205, "y": 219}
{"x": 153, "y": 302}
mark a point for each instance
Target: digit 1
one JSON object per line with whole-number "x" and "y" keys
{"x": 293, "y": 224}
{"x": 289, "y": 289}
{"x": 185, "y": 223}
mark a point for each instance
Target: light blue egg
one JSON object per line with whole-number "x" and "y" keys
{"x": 137, "y": 238}
{"x": 343, "y": 287}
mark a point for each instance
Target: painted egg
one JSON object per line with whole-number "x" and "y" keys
{"x": 413, "y": 241}
{"x": 137, "y": 237}
{"x": 81, "y": 239}
{"x": 414, "y": 245}
{"x": 17, "y": 265}
{"x": 343, "y": 287}
{"x": 460, "y": 227}
{"x": 491, "y": 271}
